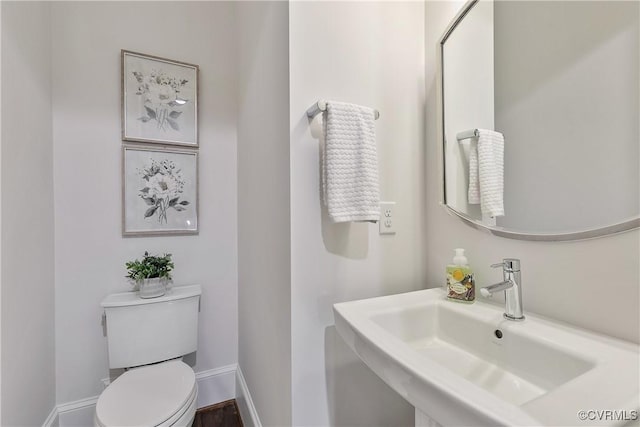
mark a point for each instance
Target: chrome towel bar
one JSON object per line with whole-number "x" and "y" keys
{"x": 321, "y": 106}
{"x": 471, "y": 133}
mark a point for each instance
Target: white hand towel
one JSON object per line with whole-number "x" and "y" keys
{"x": 350, "y": 164}
{"x": 474, "y": 185}
{"x": 489, "y": 169}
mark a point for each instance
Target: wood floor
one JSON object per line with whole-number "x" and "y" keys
{"x": 223, "y": 414}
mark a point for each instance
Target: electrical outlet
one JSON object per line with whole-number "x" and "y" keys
{"x": 387, "y": 221}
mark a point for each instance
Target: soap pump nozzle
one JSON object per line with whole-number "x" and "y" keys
{"x": 460, "y": 259}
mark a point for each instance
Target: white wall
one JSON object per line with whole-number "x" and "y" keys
{"x": 593, "y": 284}
{"x": 264, "y": 246}
{"x": 90, "y": 251}
{"x": 369, "y": 53}
{"x": 28, "y": 370}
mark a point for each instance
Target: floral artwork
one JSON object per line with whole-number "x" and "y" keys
{"x": 160, "y": 191}
{"x": 164, "y": 185}
{"x": 159, "y": 100}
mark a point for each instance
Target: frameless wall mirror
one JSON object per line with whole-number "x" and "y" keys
{"x": 560, "y": 80}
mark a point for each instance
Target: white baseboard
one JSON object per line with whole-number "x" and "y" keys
{"x": 78, "y": 416}
{"x": 77, "y": 413}
{"x": 247, "y": 409}
{"x": 52, "y": 419}
{"x": 214, "y": 385}
{"x": 78, "y": 404}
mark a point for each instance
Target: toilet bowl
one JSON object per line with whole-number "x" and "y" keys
{"x": 163, "y": 395}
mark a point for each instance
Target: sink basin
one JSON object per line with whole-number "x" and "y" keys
{"x": 464, "y": 364}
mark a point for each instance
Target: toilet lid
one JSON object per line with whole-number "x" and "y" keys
{"x": 146, "y": 396}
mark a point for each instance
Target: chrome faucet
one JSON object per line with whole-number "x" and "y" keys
{"x": 512, "y": 287}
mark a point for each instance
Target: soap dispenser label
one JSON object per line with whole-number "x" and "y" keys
{"x": 460, "y": 284}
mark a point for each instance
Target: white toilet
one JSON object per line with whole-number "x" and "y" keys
{"x": 148, "y": 337}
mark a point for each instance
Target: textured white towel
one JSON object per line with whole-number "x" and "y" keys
{"x": 486, "y": 173}
{"x": 474, "y": 185}
{"x": 350, "y": 164}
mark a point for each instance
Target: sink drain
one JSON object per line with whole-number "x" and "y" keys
{"x": 498, "y": 333}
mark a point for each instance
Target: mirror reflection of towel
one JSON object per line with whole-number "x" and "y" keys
{"x": 486, "y": 173}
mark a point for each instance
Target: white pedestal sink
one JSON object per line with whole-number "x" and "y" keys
{"x": 464, "y": 364}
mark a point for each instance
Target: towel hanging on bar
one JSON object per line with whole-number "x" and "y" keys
{"x": 486, "y": 173}
{"x": 350, "y": 187}
{"x": 321, "y": 105}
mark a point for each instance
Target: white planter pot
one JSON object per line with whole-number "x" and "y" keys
{"x": 152, "y": 288}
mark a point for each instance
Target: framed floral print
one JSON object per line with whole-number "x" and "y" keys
{"x": 160, "y": 191}
{"x": 159, "y": 100}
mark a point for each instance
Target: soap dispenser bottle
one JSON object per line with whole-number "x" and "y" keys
{"x": 460, "y": 283}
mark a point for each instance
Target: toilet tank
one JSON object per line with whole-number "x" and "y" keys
{"x": 142, "y": 331}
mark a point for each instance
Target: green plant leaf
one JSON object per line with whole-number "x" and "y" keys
{"x": 150, "y": 267}
{"x": 172, "y": 202}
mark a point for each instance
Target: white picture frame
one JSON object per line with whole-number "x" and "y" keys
{"x": 159, "y": 100}
{"x": 159, "y": 191}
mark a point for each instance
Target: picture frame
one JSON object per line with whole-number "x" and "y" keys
{"x": 159, "y": 191}
{"x": 159, "y": 100}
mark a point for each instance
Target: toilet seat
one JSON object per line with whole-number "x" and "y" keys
{"x": 155, "y": 395}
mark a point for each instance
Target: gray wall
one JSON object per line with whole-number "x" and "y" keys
{"x": 28, "y": 348}
{"x": 264, "y": 246}
{"x": 592, "y": 284}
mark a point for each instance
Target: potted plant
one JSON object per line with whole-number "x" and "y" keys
{"x": 151, "y": 275}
